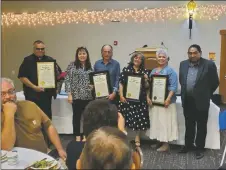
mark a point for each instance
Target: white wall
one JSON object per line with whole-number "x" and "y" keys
{"x": 62, "y": 40}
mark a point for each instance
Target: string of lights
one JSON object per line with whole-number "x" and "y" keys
{"x": 211, "y": 12}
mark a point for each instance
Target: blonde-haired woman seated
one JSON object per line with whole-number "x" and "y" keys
{"x": 163, "y": 119}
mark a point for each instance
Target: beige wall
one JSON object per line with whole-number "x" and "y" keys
{"x": 62, "y": 40}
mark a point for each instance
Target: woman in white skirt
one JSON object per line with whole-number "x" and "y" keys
{"x": 163, "y": 119}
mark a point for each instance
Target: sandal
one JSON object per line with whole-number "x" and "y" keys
{"x": 137, "y": 143}
{"x": 84, "y": 139}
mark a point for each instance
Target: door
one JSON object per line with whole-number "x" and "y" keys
{"x": 222, "y": 86}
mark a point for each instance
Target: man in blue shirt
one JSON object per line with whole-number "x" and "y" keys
{"x": 107, "y": 63}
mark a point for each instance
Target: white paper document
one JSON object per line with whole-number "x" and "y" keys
{"x": 133, "y": 87}
{"x": 101, "y": 86}
{"x": 46, "y": 74}
{"x": 158, "y": 90}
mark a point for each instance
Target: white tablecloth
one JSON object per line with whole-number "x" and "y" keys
{"x": 62, "y": 120}
{"x": 26, "y": 157}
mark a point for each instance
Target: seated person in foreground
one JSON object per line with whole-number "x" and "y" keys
{"x": 22, "y": 123}
{"x": 97, "y": 113}
{"x": 106, "y": 148}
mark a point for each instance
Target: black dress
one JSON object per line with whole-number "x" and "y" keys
{"x": 135, "y": 113}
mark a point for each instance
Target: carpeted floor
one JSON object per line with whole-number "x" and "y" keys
{"x": 174, "y": 160}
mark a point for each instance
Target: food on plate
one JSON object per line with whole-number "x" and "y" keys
{"x": 43, "y": 164}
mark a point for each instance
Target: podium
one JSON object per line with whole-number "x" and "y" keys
{"x": 150, "y": 57}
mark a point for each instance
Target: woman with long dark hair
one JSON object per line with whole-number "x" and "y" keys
{"x": 77, "y": 86}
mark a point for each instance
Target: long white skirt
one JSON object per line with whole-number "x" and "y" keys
{"x": 163, "y": 123}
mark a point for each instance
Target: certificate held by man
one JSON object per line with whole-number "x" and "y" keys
{"x": 101, "y": 82}
{"x": 46, "y": 74}
{"x": 159, "y": 89}
{"x": 133, "y": 86}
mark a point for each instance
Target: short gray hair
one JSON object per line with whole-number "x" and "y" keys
{"x": 162, "y": 51}
{"x": 8, "y": 80}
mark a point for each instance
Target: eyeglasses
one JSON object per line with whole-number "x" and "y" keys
{"x": 40, "y": 49}
{"x": 190, "y": 53}
{"x": 10, "y": 92}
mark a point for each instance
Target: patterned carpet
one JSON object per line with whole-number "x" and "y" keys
{"x": 174, "y": 160}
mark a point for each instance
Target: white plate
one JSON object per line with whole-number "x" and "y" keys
{"x": 3, "y": 153}
{"x": 52, "y": 165}
{"x": 58, "y": 165}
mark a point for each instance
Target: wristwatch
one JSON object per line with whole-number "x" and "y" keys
{"x": 115, "y": 90}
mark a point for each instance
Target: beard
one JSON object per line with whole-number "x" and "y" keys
{"x": 13, "y": 100}
{"x": 193, "y": 61}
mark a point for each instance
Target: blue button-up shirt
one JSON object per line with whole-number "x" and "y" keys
{"x": 191, "y": 78}
{"x": 173, "y": 80}
{"x": 114, "y": 71}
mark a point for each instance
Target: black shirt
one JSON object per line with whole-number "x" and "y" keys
{"x": 28, "y": 69}
{"x": 74, "y": 150}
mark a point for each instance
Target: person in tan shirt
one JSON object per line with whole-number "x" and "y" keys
{"x": 22, "y": 123}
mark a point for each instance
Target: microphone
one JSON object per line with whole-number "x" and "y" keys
{"x": 162, "y": 44}
{"x": 144, "y": 46}
{"x": 131, "y": 53}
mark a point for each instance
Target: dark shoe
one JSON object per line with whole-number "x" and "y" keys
{"x": 184, "y": 150}
{"x": 199, "y": 155}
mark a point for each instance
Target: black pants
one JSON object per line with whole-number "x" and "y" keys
{"x": 44, "y": 101}
{"x": 193, "y": 118}
{"x": 78, "y": 107}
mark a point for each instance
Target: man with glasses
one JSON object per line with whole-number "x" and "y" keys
{"x": 28, "y": 76}
{"x": 107, "y": 63}
{"x": 22, "y": 121}
{"x": 199, "y": 79}
{"x": 8, "y": 110}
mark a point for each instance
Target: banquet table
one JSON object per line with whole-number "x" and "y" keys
{"x": 62, "y": 120}
{"x": 26, "y": 157}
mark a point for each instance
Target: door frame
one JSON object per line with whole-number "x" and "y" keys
{"x": 222, "y": 86}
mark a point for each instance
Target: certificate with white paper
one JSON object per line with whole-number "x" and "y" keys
{"x": 133, "y": 87}
{"x": 159, "y": 89}
{"x": 100, "y": 84}
{"x": 46, "y": 74}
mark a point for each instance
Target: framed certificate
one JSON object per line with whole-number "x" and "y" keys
{"x": 101, "y": 82}
{"x": 159, "y": 89}
{"x": 46, "y": 74}
{"x": 133, "y": 85}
